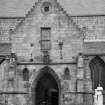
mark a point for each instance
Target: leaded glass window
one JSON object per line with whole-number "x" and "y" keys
{"x": 45, "y": 38}
{"x": 25, "y": 74}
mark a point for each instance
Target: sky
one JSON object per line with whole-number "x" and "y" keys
{"x": 18, "y": 8}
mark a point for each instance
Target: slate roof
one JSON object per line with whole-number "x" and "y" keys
{"x": 94, "y": 48}
{"x": 93, "y": 26}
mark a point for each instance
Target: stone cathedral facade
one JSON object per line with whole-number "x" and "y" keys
{"x": 49, "y": 57}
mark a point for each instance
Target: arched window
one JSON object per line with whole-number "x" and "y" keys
{"x": 97, "y": 66}
{"x": 25, "y": 74}
{"x": 66, "y": 74}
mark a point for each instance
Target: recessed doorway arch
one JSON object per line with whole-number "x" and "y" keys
{"x": 46, "y": 88}
{"x": 97, "y": 67}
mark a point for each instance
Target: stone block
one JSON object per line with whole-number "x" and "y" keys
{"x": 80, "y": 85}
{"x": 80, "y": 73}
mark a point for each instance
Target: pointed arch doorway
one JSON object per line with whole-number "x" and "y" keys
{"x": 47, "y": 88}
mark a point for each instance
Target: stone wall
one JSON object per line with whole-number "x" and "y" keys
{"x": 77, "y": 89}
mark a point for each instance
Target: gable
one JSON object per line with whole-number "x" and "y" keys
{"x": 47, "y": 13}
{"x": 57, "y": 13}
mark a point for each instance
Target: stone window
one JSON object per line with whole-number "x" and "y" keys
{"x": 66, "y": 74}
{"x": 25, "y": 74}
{"x": 45, "y": 38}
{"x": 97, "y": 66}
{"x": 46, "y": 7}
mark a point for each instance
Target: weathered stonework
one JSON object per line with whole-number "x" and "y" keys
{"x": 24, "y": 41}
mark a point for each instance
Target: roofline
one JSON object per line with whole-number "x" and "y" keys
{"x": 12, "y": 17}
{"x": 86, "y": 15}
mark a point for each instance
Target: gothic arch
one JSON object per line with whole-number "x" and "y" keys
{"x": 97, "y": 67}
{"x": 41, "y": 72}
{"x": 66, "y": 74}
